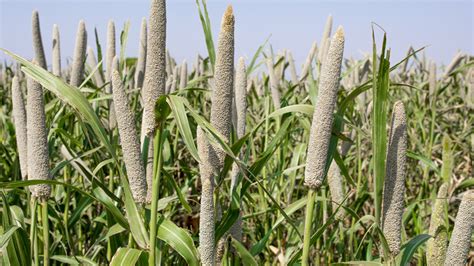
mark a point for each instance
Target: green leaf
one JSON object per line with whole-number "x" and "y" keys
{"x": 76, "y": 260}
{"x": 177, "y": 106}
{"x": 7, "y": 235}
{"x": 424, "y": 160}
{"x": 137, "y": 227}
{"x": 465, "y": 184}
{"x": 260, "y": 245}
{"x": 251, "y": 67}
{"x": 15, "y": 242}
{"x": 380, "y": 85}
{"x": 206, "y": 26}
{"x": 179, "y": 240}
{"x": 359, "y": 263}
{"x": 410, "y": 248}
{"x": 129, "y": 256}
{"x": 244, "y": 254}
{"x": 178, "y": 191}
{"x": 115, "y": 229}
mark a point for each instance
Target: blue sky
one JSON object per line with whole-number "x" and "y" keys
{"x": 445, "y": 26}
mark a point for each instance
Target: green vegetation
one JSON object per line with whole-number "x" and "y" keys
{"x": 135, "y": 172}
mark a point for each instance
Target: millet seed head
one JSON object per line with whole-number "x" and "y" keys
{"x": 460, "y": 242}
{"x": 323, "y": 117}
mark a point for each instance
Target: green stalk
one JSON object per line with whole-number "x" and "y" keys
{"x": 66, "y": 205}
{"x": 157, "y": 163}
{"x": 44, "y": 208}
{"x": 33, "y": 242}
{"x": 307, "y": 226}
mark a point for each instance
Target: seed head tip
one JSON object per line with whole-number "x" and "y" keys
{"x": 228, "y": 19}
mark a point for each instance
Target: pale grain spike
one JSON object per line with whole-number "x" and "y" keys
{"x": 92, "y": 62}
{"x": 292, "y": 66}
{"x": 37, "y": 142}
{"x": 309, "y": 60}
{"x": 154, "y": 84}
{"x": 115, "y": 66}
{"x": 228, "y": 20}
{"x": 241, "y": 111}
{"x": 110, "y": 52}
{"x": 321, "y": 127}
{"x": 326, "y": 35}
{"x": 207, "y": 247}
{"x": 394, "y": 185}
{"x": 77, "y": 71}
{"x": 183, "y": 77}
{"x": 19, "y": 116}
{"x": 37, "y": 40}
{"x": 56, "y": 68}
{"x": 222, "y": 93}
{"x": 273, "y": 84}
{"x": 129, "y": 140}
{"x": 460, "y": 243}
{"x": 337, "y": 190}
{"x": 141, "y": 62}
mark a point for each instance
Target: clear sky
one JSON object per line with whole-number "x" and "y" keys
{"x": 446, "y": 26}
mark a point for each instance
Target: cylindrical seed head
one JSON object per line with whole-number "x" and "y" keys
{"x": 37, "y": 40}
{"x": 394, "y": 187}
{"x": 321, "y": 127}
{"x": 19, "y": 116}
{"x": 174, "y": 79}
{"x": 56, "y": 52}
{"x": 460, "y": 242}
{"x": 432, "y": 79}
{"x": 110, "y": 52}
{"x": 112, "y": 116}
{"x": 336, "y": 189}
{"x": 454, "y": 63}
{"x": 77, "y": 71}
{"x": 273, "y": 84}
{"x": 241, "y": 97}
{"x": 149, "y": 172}
{"x": 222, "y": 93}
{"x": 169, "y": 63}
{"x": 324, "y": 44}
{"x": 241, "y": 112}
{"x": 183, "y": 79}
{"x": 129, "y": 140}
{"x": 325, "y": 51}
{"x": 309, "y": 60}
{"x": 207, "y": 247}
{"x": 141, "y": 63}
{"x": 291, "y": 62}
{"x": 38, "y": 157}
{"x": 92, "y": 62}
{"x": 436, "y": 246}
{"x": 154, "y": 85}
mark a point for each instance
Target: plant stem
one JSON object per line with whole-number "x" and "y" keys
{"x": 157, "y": 162}
{"x": 33, "y": 241}
{"x": 44, "y": 205}
{"x": 307, "y": 226}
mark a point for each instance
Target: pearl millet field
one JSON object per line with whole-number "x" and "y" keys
{"x": 114, "y": 160}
